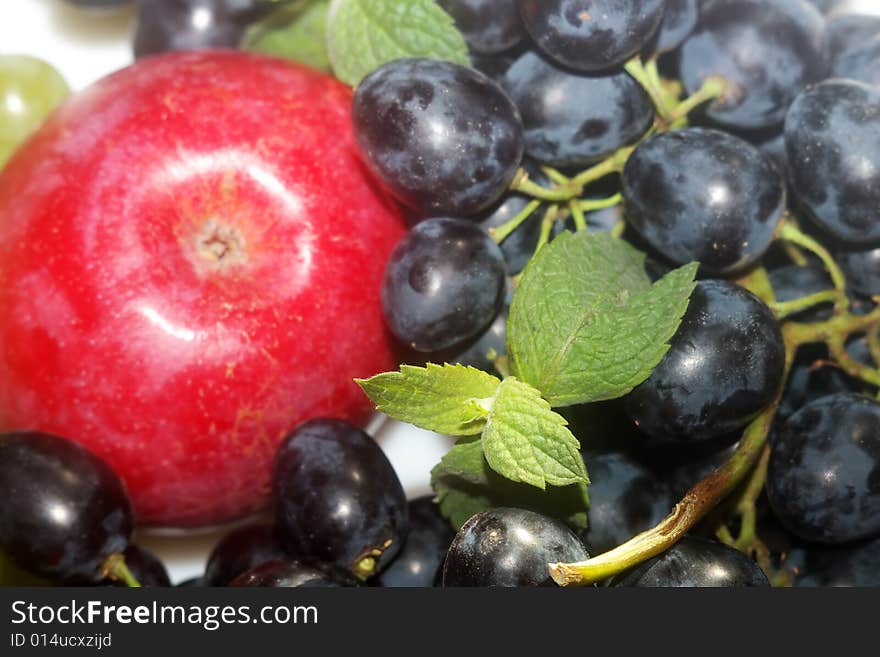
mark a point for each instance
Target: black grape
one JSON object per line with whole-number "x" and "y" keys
{"x": 695, "y": 562}
{"x": 767, "y": 50}
{"x": 822, "y": 476}
{"x": 591, "y": 35}
{"x": 444, "y": 138}
{"x": 64, "y": 509}
{"x": 704, "y": 195}
{"x": 509, "y": 547}
{"x": 338, "y": 501}
{"x": 444, "y": 283}
{"x": 723, "y": 367}
{"x": 832, "y": 140}
{"x": 572, "y": 119}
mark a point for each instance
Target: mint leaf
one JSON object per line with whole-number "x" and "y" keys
{"x": 465, "y": 484}
{"x": 527, "y": 442}
{"x": 449, "y": 399}
{"x": 586, "y": 324}
{"x": 365, "y": 34}
{"x": 297, "y": 32}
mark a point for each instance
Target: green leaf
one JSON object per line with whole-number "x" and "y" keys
{"x": 365, "y": 34}
{"x": 449, "y": 399}
{"x": 297, "y": 32}
{"x": 525, "y": 441}
{"x": 465, "y": 484}
{"x": 586, "y": 324}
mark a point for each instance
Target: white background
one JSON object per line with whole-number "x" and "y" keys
{"x": 86, "y": 45}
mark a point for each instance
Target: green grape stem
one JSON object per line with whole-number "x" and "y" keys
{"x": 115, "y": 568}
{"x": 646, "y": 75}
{"x": 789, "y": 232}
{"x": 502, "y": 232}
{"x": 783, "y": 309}
{"x": 713, "y": 87}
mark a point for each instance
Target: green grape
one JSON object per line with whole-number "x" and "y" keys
{"x": 29, "y": 90}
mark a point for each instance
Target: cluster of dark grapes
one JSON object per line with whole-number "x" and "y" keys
{"x": 341, "y": 519}
{"x": 477, "y": 154}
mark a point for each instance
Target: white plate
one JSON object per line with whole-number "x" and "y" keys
{"x": 85, "y": 46}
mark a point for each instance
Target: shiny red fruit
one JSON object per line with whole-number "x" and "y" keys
{"x": 190, "y": 261}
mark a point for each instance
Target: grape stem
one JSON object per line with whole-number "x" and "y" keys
{"x": 650, "y": 81}
{"x": 713, "y": 87}
{"x": 502, "y": 232}
{"x": 789, "y": 231}
{"x": 115, "y": 568}
{"x": 783, "y": 309}
{"x": 577, "y": 213}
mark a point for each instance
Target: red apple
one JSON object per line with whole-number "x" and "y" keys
{"x": 190, "y": 261}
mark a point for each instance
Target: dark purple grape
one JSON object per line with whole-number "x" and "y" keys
{"x": 509, "y": 547}
{"x": 860, "y": 62}
{"x": 421, "y": 559}
{"x": 488, "y": 26}
{"x": 847, "y": 31}
{"x": 822, "y": 479}
{"x": 283, "y": 573}
{"x": 625, "y": 499}
{"x": 832, "y": 139}
{"x": 239, "y": 551}
{"x": 444, "y": 283}
{"x": 794, "y": 282}
{"x": 723, "y": 367}
{"x": 695, "y": 562}
{"x": 704, "y": 195}
{"x": 591, "y": 35}
{"x": 164, "y": 25}
{"x": 679, "y": 20}
{"x": 573, "y": 119}
{"x": 338, "y": 501}
{"x": 838, "y": 566}
{"x": 445, "y": 139}
{"x": 862, "y": 269}
{"x": 767, "y": 51}
{"x": 64, "y": 510}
